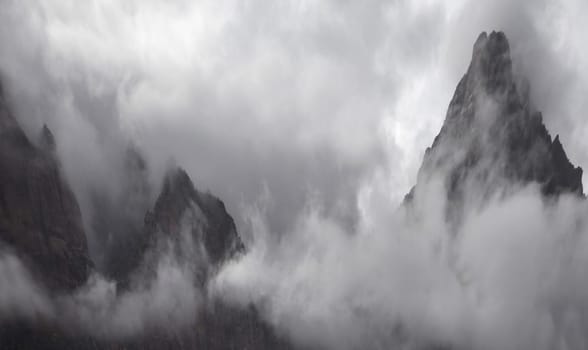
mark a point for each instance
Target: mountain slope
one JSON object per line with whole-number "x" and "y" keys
{"x": 39, "y": 215}
{"x": 212, "y": 224}
{"x": 180, "y": 213}
{"x": 201, "y": 234}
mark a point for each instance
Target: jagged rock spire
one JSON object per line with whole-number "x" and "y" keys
{"x": 491, "y": 63}
{"x": 182, "y": 211}
{"x": 491, "y": 139}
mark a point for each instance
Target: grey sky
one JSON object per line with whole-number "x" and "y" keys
{"x": 294, "y": 99}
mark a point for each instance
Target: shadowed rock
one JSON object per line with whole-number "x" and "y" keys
{"x": 213, "y": 225}
{"x": 47, "y": 140}
{"x": 39, "y": 216}
{"x": 180, "y": 209}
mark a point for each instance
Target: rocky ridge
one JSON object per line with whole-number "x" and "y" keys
{"x": 39, "y": 216}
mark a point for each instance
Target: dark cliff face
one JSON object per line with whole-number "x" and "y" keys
{"x": 491, "y": 139}
{"x": 210, "y": 224}
{"x": 39, "y": 216}
{"x": 182, "y": 213}
{"x": 125, "y": 240}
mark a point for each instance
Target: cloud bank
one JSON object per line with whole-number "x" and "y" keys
{"x": 511, "y": 277}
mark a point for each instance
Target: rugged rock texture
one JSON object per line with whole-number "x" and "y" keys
{"x": 491, "y": 138}
{"x": 211, "y": 224}
{"x": 180, "y": 212}
{"x": 39, "y": 216}
{"x": 203, "y": 234}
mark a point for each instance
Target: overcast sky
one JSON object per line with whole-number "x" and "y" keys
{"x": 282, "y": 102}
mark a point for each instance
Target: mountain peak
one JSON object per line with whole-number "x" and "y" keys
{"x": 496, "y": 43}
{"x": 179, "y": 197}
{"x": 491, "y": 63}
{"x": 491, "y": 139}
{"x": 489, "y": 77}
{"x": 178, "y": 180}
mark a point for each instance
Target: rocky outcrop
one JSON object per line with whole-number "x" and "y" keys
{"x": 127, "y": 227}
{"x": 41, "y": 221}
{"x": 39, "y": 216}
{"x": 492, "y": 139}
{"x": 203, "y": 234}
{"x": 210, "y": 223}
{"x": 180, "y": 212}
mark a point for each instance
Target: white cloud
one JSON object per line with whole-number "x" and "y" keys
{"x": 510, "y": 278}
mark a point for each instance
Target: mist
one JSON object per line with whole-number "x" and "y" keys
{"x": 510, "y": 277}
{"x": 310, "y": 121}
{"x": 164, "y": 296}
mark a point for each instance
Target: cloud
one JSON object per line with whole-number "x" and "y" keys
{"x": 20, "y": 296}
{"x": 511, "y": 277}
{"x": 323, "y": 110}
{"x": 164, "y": 297}
{"x": 242, "y": 95}
{"x": 169, "y": 302}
